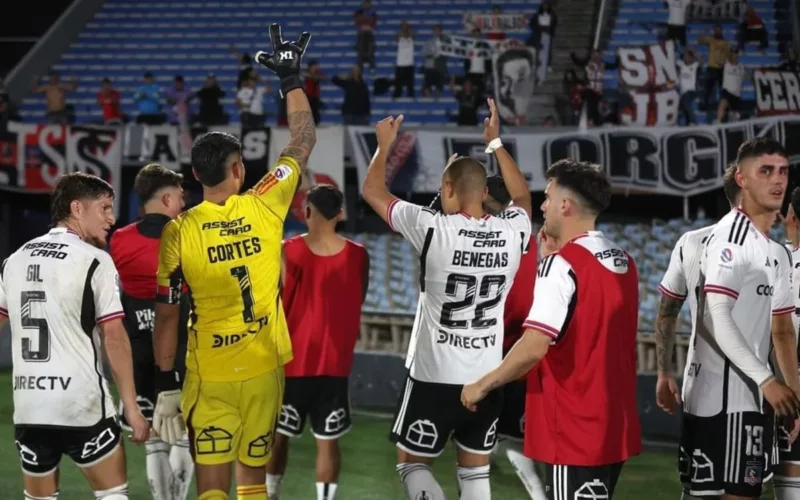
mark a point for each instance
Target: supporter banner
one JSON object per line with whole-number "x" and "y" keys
{"x": 514, "y": 72}
{"x": 33, "y": 157}
{"x": 326, "y": 165}
{"x": 715, "y": 10}
{"x": 650, "y": 76}
{"x": 496, "y": 23}
{"x": 679, "y": 161}
{"x": 777, "y": 92}
{"x": 465, "y": 47}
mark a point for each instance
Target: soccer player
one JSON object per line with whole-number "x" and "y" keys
{"x": 134, "y": 249}
{"x": 324, "y": 284}
{"x": 787, "y": 478}
{"x": 60, "y": 293}
{"x": 579, "y": 346}
{"x": 511, "y": 424}
{"x": 468, "y": 260}
{"x": 744, "y": 295}
{"x": 683, "y": 275}
{"x": 227, "y": 250}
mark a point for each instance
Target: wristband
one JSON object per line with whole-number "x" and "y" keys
{"x": 494, "y": 145}
{"x": 169, "y": 380}
{"x": 289, "y": 83}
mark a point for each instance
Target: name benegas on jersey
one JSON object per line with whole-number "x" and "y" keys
{"x": 483, "y": 239}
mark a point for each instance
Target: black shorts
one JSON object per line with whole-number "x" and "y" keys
{"x": 433, "y": 79}
{"x": 725, "y": 454}
{"x": 734, "y": 102}
{"x": 144, "y": 372}
{"x": 40, "y": 448}
{"x": 428, "y": 413}
{"x": 324, "y": 400}
{"x": 579, "y": 482}
{"x": 511, "y": 424}
{"x": 678, "y": 33}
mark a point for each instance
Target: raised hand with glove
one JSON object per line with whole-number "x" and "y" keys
{"x": 167, "y": 420}
{"x": 286, "y": 59}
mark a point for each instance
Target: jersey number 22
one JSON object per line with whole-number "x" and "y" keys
{"x": 479, "y": 321}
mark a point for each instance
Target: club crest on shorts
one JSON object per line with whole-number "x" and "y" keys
{"x": 752, "y": 474}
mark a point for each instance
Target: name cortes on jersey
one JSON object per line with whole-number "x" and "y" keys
{"x": 467, "y": 266}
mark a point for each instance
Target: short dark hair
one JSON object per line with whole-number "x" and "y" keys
{"x": 497, "y": 189}
{"x": 760, "y": 146}
{"x": 729, "y": 186}
{"x": 76, "y": 186}
{"x": 210, "y": 154}
{"x": 148, "y": 75}
{"x": 586, "y": 180}
{"x": 152, "y": 178}
{"x": 327, "y": 199}
{"x": 106, "y": 80}
{"x": 466, "y": 174}
{"x": 795, "y": 201}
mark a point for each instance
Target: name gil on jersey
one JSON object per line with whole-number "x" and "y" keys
{"x": 480, "y": 259}
{"x": 462, "y": 342}
{"x": 228, "y": 228}
{"x": 43, "y": 383}
{"x": 47, "y": 249}
{"x": 484, "y": 239}
{"x": 233, "y": 251}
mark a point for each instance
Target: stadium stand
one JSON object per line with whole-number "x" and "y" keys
{"x": 639, "y": 21}
{"x": 127, "y": 39}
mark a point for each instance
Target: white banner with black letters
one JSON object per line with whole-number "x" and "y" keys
{"x": 496, "y": 23}
{"x": 678, "y": 161}
{"x": 777, "y": 92}
{"x": 464, "y": 47}
{"x": 715, "y": 10}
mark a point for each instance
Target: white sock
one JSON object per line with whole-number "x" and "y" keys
{"x": 525, "y": 470}
{"x": 326, "y": 491}
{"x": 54, "y": 496}
{"x": 475, "y": 483}
{"x": 117, "y": 493}
{"x": 419, "y": 482}
{"x": 274, "y": 486}
{"x": 786, "y": 488}
{"x": 159, "y": 471}
{"x": 182, "y": 467}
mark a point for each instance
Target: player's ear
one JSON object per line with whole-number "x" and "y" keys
{"x": 194, "y": 173}
{"x": 339, "y": 216}
{"x": 308, "y": 212}
{"x": 76, "y": 208}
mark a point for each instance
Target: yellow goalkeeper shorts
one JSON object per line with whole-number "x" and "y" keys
{"x": 229, "y": 421}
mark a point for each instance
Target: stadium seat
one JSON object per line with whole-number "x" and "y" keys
{"x": 127, "y": 39}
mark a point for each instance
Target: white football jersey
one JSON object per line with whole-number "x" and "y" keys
{"x": 681, "y": 281}
{"x": 795, "y": 288}
{"x": 743, "y": 263}
{"x": 467, "y": 267}
{"x": 56, "y": 289}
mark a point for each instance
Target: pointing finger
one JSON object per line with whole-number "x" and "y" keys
{"x": 492, "y": 107}
{"x": 398, "y": 121}
{"x": 275, "y": 36}
{"x": 302, "y": 42}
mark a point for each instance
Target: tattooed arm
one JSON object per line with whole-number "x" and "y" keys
{"x": 666, "y": 322}
{"x": 302, "y": 132}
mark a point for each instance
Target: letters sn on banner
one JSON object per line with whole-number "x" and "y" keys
{"x": 777, "y": 92}
{"x": 650, "y": 75}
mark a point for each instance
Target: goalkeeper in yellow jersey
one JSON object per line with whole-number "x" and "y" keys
{"x": 227, "y": 250}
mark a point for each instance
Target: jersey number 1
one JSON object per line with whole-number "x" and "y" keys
{"x": 470, "y": 282}
{"x": 38, "y": 324}
{"x": 242, "y": 275}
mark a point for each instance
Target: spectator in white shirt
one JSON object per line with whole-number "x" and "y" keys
{"x": 688, "y": 67}
{"x": 435, "y": 65}
{"x": 250, "y": 100}
{"x": 676, "y": 22}
{"x": 475, "y": 63}
{"x": 733, "y": 75}
{"x": 404, "y": 66}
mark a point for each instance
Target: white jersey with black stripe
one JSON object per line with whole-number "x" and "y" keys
{"x": 467, "y": 267}
{"x": 795, "y": 252}
{"x": 741, "y": 262}
{"x": 56, "y": 290}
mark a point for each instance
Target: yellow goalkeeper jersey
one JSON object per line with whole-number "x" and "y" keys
{"x": 230, "y": 257}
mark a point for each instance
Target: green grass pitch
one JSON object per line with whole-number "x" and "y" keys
{"x": 367, "y": 471}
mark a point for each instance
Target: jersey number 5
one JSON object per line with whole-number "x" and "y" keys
{"x": 479, "y": 321}
{"x": 242, "y": 275}
{"x": 38, "y": 324}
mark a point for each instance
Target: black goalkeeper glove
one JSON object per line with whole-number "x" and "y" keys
{"x": 286, "y": 58}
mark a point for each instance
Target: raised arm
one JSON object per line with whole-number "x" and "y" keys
{"x": 515, "y": 181}
{"x": 286, "y": 62}
{"x": 375, "y": 191}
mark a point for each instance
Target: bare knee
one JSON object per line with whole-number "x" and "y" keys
{"x": 213, "y": 477}
{"x": 248, "y": 475}
{"x": 41, "y": 486}
{"x": 404, "y": 457}
{"x": 468, "y": 459}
